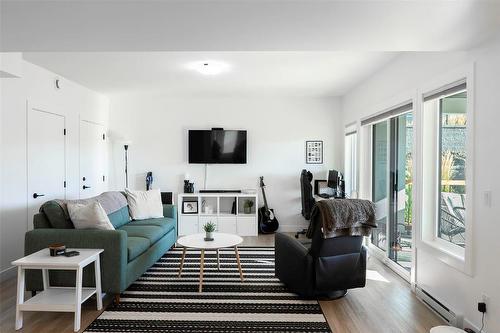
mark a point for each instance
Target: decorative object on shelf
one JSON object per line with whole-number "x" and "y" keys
{"x": 314, "y": 152}
{"x": 267, "y": 220}
{"x": 209, "y": 228}
{"x": 57, "y": 249}
{"x": 247, "y": 206}
{"x": 149, "y": 180}
{"x": 188, "y": 187}
{"x": 190, "y": 207}
{"x": 233, "y": 207}
{"x": 205, "y": 208}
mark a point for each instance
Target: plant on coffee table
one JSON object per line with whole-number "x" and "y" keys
{"x": 209, "y": 229}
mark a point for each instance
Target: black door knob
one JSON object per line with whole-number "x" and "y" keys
{"x": 36, "y": 195}
{"x": 84, "y": 187}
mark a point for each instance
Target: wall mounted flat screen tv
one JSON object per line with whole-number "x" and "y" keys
{"x": 217, "y": 146}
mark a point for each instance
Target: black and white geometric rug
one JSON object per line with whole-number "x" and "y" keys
{"x": 160, "y": 301}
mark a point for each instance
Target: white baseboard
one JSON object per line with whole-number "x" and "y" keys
{"x": 469, "y": 324}
{"x": 7, "y": 274}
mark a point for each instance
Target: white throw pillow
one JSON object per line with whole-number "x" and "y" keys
{"x": 89, "y": 216}
{"x": 144, "y": 204}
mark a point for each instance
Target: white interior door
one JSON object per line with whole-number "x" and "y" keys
{"x": 92, "y": 159}
{"x": 46, "y": 159}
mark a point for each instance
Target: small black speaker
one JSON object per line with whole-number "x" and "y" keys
{"x": 166, "y": 198}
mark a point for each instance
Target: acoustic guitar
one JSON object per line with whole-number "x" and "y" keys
{"x": 267, "y": 220}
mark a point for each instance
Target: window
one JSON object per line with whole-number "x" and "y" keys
{"x": 444, "y": 150}
{"x": 350, "y": 165}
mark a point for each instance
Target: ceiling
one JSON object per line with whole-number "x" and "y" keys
{"x": 301, "y": 74}
{"x": 275, "y": 47}
{"x": 246, "y": 25}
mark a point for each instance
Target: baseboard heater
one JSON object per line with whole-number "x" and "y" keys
{"x": 439, "y": 308}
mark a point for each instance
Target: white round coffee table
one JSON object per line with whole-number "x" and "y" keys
{"x": 446, "y": 329}
{"x": 221, "y": 240}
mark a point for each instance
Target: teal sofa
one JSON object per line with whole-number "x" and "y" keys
{"x": 128, "y": 251}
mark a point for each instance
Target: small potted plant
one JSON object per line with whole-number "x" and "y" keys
{"x": 247, "y": 206}
{"x": 209, "y": 229}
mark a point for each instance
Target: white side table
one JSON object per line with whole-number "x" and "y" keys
{"x": 59, "y": 299}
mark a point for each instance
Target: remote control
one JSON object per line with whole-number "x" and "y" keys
{"x": 71, "y": 253}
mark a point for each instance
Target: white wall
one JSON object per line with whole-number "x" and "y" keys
{"x": 36, "y": 87}
{"x": 277, "y": 131}
{"x": 396, "y": 83}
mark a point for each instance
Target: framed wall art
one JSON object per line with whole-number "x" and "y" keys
{"x": 314, "y": 152}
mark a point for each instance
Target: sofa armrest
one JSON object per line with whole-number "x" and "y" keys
{"x": 113, "y": 260}
{"x": 293, "y": 264}
{"x": 170, "y": 211}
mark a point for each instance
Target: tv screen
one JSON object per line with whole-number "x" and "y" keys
{"x": 217, "y": 146}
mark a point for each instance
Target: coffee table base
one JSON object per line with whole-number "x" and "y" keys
{"x": 202, "y": 264}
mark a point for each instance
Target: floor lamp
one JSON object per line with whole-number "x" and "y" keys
{"x": 125, "y": 146}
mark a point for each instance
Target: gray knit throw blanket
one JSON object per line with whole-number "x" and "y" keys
{"x": 343, "y": 217}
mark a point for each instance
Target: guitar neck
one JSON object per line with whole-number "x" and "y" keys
{"x": 265, "y": 199}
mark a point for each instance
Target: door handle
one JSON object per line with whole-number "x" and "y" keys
{"x": 85, "y": 187}
{"x": 36, "y": 195}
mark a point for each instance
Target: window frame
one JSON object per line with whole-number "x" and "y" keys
{"x": 455, "y": 256}
{"x": 352, "y": 130}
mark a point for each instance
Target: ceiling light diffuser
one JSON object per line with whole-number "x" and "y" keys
{"x": 209, "y": 67}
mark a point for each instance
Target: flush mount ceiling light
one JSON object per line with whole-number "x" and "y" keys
{"x": 209, "y": 67}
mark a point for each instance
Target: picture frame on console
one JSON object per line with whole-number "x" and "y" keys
{"x": 190, "y": 207}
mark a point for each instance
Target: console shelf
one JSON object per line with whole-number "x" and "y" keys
{"x": 234, "y": 213}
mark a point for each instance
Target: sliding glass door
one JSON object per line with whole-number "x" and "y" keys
{"x": 401, "y": 203}
{"x": 380, "y": 172}
{"x": 392, "y": 187}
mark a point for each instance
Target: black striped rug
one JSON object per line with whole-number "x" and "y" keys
{"x": 160, "y": 301}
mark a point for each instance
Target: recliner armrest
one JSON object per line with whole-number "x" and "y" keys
{"x": 293, "y": 264}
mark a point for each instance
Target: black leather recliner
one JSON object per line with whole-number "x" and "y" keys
{"x": 325, "y": 268}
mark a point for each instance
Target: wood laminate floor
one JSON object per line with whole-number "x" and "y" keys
{"x": 385, "y": 305}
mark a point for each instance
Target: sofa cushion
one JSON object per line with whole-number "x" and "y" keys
{"x": 144, "y": 204}
{"x": 89, "y": 216}
{"x": 166, "y": 223}
{"x": 151, "y": 232}
{"x": 120, "y": 217}
{"x": 56, "y": 215}
{"x": 136, "y": 246}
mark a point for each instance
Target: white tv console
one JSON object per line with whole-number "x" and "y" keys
{"x": 218, "y": 208}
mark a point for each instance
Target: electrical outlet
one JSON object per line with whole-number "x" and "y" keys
{"x": 485, "y": 298}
